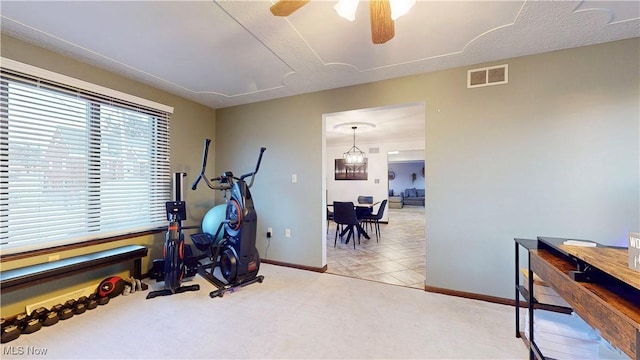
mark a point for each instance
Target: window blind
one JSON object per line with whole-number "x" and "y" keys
{"x": 77, "y": 163}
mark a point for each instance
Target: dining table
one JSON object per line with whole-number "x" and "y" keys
{"x": 361, "y": 209}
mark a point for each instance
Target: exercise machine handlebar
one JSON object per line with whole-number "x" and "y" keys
{"x": 253, "y": 173}
{"x": 204, "y": 165}
{"x": 224, "y": 182}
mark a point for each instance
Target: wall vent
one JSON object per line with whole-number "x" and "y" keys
{"x": 494, "y": 75}
{"x": 374, "y": 150}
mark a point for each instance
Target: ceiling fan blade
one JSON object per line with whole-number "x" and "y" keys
{"x": 287, "y": 7}
{"x": 382, "y": 26}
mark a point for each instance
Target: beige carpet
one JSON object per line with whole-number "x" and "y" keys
{"x": 293, "y": 314}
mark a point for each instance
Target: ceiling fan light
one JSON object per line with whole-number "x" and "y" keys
{"x": 347, "y": 8}
{"x": 400, "y": 7}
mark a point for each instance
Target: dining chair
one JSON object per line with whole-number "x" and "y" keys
{"x": 362, "y": 211}
{"x": 365, "y": 199}
{"x": 329, "y": 218}
{"x": 374, "y": 219}
{"x": 344, "y": 215}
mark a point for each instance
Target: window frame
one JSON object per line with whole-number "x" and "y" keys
{"x": 66, "y": 82}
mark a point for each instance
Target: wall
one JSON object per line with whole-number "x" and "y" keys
{"x": 555, "y": 152}
{"x": 189, "y": 123}
{"x": 404, "y": 179}
{"x": 342, "y": 190}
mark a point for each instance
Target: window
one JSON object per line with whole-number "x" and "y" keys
{"x": 77, "y": 161}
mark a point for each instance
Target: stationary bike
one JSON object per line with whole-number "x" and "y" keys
{"x": 174, "y": 263}
{"x": 235, "y": 257}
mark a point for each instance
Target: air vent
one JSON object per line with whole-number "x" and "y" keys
{"x": 494, "y": 75}
{"x": 375, "y": 150}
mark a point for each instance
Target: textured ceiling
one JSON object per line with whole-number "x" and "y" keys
{"x": 229, "y": 53}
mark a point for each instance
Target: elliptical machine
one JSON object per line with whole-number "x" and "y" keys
{"x": 173, "y": 264}
{"x": 235, "y": 257}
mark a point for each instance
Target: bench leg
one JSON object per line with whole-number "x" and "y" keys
{"x": 137, "y": 268}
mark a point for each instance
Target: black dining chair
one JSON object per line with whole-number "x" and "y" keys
{"x": 344, "y": 215}
{"x": 329, "y": 218}
{"x": 374, "y": 219}
{"x": 365, "y": 199}
{"x": 364, "y": 210}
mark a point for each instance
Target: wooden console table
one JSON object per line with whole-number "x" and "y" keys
{"x": 595, "y": 281}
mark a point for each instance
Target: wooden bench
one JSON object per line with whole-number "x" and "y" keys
{"x": 36, "y": 274}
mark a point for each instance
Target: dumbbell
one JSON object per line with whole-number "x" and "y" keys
{"x": 54, "y": 315}
{"x": 92, "y": 302}
{"x": 27, "y": 324}
{"x": 89, "y": 304}
{"x": 63, "y": 312}
{"x": 51, "y": 318}
{"x": 39, "y": 313}
{"x": 9, "y": 330}
{"x": 78, "y": 307}
{"x": 103, "y": 300}
{"x": 46, "y": 317}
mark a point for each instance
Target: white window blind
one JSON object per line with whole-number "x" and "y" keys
{"x": 76, "y": 164}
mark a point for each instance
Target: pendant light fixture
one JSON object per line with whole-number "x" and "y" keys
{"x": 354, "y": 158}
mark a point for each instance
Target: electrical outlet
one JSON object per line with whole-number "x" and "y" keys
{"x": 287, "y": 233}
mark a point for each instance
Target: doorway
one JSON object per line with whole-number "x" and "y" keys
{"x": 399, "y": 256}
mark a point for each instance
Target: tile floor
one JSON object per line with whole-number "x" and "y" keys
{"x": 398, "y": 258}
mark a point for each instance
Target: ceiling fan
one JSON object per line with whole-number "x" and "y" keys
{"x": 382, "y": 24}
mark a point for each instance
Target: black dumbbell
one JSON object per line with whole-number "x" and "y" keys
{"x": 71, "y": 303}
{"x": 9, "y": 331}
{"x": 88, "y": 302}
{"x": 27, "y": 324}
{"x": 103, "y": 300}
{"x": 31, "y": 326}
{"x": 91, "y": 303}
{"x": 56, "y": 308}
{"x": 79, "y": 308}
{"x": 65, "y": 313}
{"x": 51, "y": 318}
{"x": 39, "y": 313}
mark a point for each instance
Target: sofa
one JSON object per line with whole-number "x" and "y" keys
{"x": 413, "y": 197}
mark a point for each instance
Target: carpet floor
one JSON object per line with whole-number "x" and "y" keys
{"x": 293, "y": 314}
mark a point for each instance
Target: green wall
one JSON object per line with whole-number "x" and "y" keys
{"x": 554, "y": 153}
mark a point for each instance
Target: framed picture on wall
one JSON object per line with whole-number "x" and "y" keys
{"x": 344, "y": 172}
